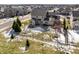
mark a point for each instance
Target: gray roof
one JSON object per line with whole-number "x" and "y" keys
{"x": 39, "y": 12}
{"x": 75, "y": 13}
{"x": 59, "y": 13}
{"x": 65, "y": 9}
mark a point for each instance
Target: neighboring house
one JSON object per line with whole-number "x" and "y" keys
{"x": 76, "y": 26}
{"x": 38, "y": 14}
{"x": 60, "y": 10}
{"x": 12, "y": 10}
{"x": 75, "y": 15}
{"x": 60, "y": 16}
{"x": 9, "y": 12}
{"x": 1, "y": 14}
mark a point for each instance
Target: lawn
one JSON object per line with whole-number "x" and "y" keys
{"x": 76, "y": 51}
{"x": 44, "y": 36}
{"x": 35, "y": 47}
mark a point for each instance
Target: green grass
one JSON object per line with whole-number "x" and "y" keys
{"x": 76, "y": 51}
{"x": 45, "y": 36}
{"x": 35, "y": 47}
{"x": 8, "y": 47}
{"x": 26, "y": 22}
{"x": 38, "y": 48}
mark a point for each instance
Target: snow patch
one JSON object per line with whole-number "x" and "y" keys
{"x": 73, "y": 37}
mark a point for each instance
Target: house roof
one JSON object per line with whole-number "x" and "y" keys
{"x": 59, "y": 13}
{"x": 75, "y": 13}
{"x": 39, "y": 12}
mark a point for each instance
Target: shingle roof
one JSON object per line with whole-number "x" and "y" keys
{"x": 59, "y": 13}
{"x": 75, "y": 13}
{"x": 39, "y": 12}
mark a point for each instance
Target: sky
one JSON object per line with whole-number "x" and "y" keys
{"x": 39, "y": 2}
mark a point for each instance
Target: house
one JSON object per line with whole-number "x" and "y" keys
{"x": 38, "y": 15}
{"x": 60, "y": 16}
{"x": 13, "y": 10}
{"x": 75, "y": 15}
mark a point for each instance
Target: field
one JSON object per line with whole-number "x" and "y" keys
{"x": 13, "y": 47}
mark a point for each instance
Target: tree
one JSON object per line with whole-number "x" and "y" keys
{"x": 18, "y": 21}
{"x": 27, "y": 45}
{"x": 65, "y": 31}
{"x": 64, "y": 24}
{"x": 47, "y": 14}
{"x": 13, "y": 26}
{"x": 16, "y": 27}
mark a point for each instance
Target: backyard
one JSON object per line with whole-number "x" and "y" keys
{"x": 13, "y": 47}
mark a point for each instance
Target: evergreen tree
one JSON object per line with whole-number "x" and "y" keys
{"x": 18, "y": 21}
{"x": 16, "y": 27}
{"x": 47, "y": 15}
{"x": 13, "y": 26}
{"x": 64, "y": 24}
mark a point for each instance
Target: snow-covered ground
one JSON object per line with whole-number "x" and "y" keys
{"x": 8, "y": 33}
{"x": 72, "y": 36}
{"x": 75, "y": 35}
{"x": 36, "y": 29}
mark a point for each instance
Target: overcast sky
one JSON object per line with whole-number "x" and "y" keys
{"x": 39, "y": 2}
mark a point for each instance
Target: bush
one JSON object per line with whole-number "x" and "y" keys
{"x": 27, "y": 45}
